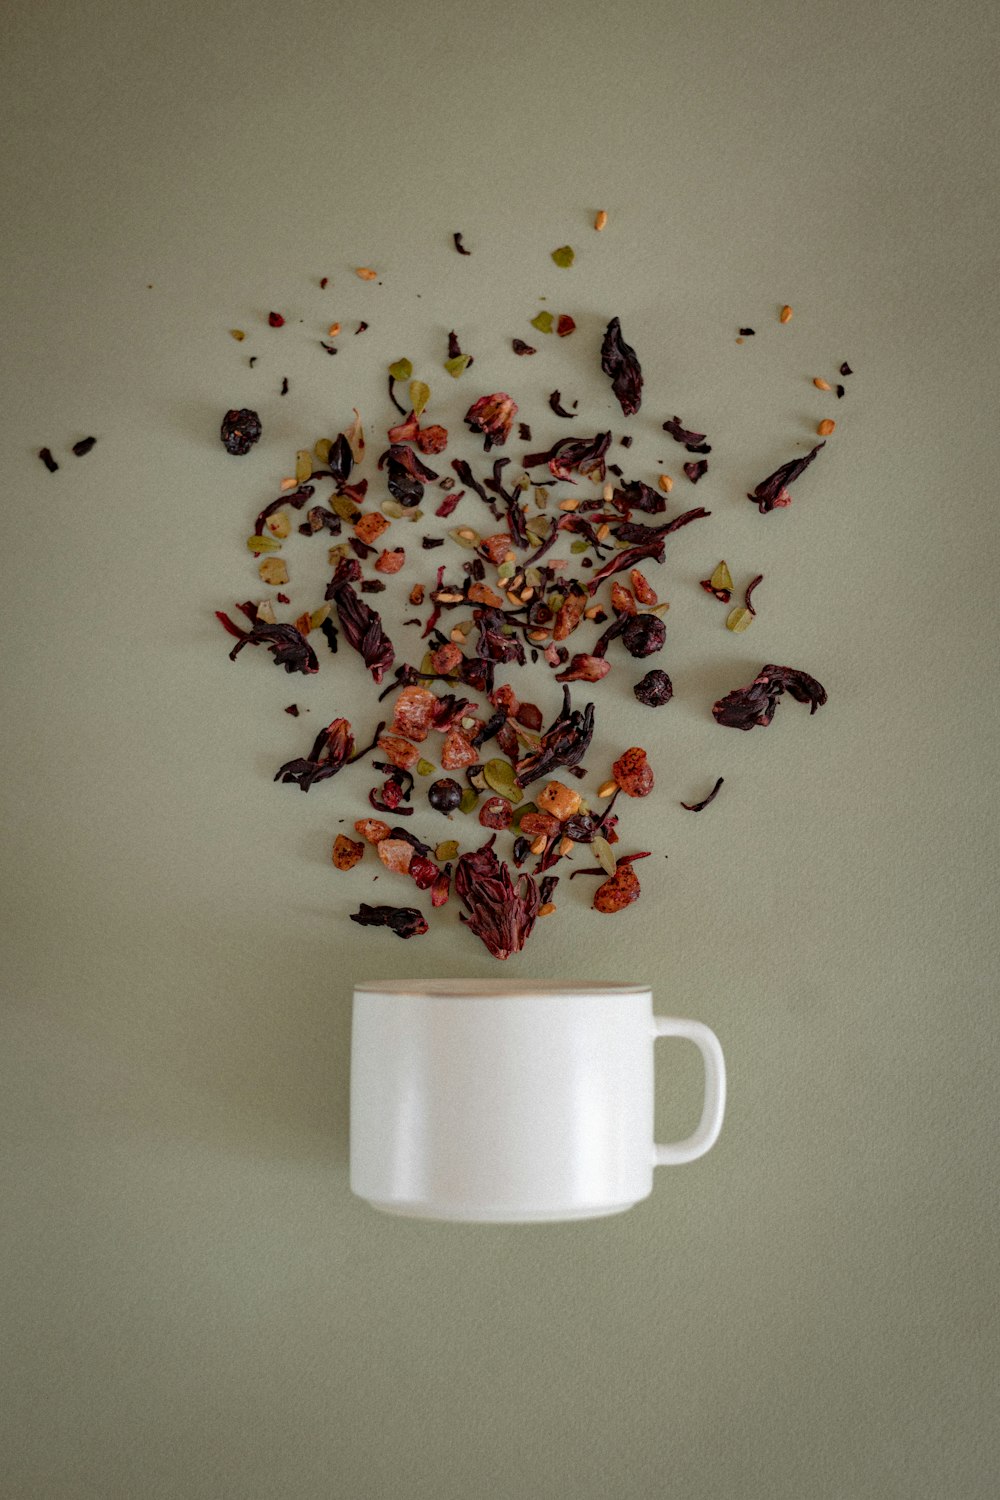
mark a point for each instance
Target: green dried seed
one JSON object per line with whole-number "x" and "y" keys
{"x": 578, "y": 546}
{"x": 303, "y": 466}
{"x": 543, "y": 321}
{"x": 401, "y": 370}
{"x": 505, "y": 571}
{"x": 556, "y": 602}
{"x": 541, "y": 496}
{"x": 344, "y": 507}
{"x": 739, "y": 619}
{"x": 604, "y": 854}
{"x": 420, "y": 394}
{"x": 465, "y": 537}
{"x": 263, "y": 544}
{"x": 721, "y": 578}
{"x": 424, "y": 767}
{"x": 447, "y": 850}
{"x": 393, "y": 508}
{"x": 564, "y": 256}
{"x": 457, "y": 365}
{"x": 534, "y": 577}
{"x": 322, "y": 450}
{"x": 469, "y": 802}
{"x": 319, "y": 615}
{"x": 519, "y": 812}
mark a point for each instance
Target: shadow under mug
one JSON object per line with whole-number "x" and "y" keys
{"x": 486, "y": 1101}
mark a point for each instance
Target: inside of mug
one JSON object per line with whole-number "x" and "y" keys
{"x": 514, "y": 988}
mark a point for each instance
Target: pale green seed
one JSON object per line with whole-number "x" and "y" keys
{"x": 465, "y": 537}
{"x": 564, "y": 256}
{"x": 543, "y": 321}
{"x": 303, "y": 466}
{"x": 322, "y": 450}
{"x": 401, "y": 370}
{"x": 447, "y": 850}
{"x": 499, "y": 774}
{"x": 344, "y": 507}
{"x": 263, "y": 544}
{"x": 424, "y": 767}
{"x": 420, "y": 394}
{"x": 393, "y": 508}
{"x": 469, "y": 802}
{"x": 605, "y": 855}
{"x": 457, "y": 365}
{"x": 578, "y": 546}
{"x": 739, "y": 619}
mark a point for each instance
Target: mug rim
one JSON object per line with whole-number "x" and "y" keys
{"x": 517, "y": 989}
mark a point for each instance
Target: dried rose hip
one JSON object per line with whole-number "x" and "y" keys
{"x": 457, "y": 751}
{"x": 240, "y": 430}
{"x": 619, "y": 891}
{"x": 633, "y": 773}
{"x": 398, "y": 752}
{"x": 395, "y": 854}
{"x": 496, "y": 812}
{"x": 444, "y": 795}
{"x": 390, "y": 561}
{"x": 423, "y": 870}
{"x": 346, "y": 852}
{"x": 654, "y": 689}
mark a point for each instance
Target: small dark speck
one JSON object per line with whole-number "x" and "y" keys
{"x": 284, "y": 386}
{"x": 253, "y": 360}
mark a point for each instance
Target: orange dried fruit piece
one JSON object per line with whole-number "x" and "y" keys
{"x": 642, "y": 588}
{"x": 395, "y": 854}
{"x": 346, "y": 852}
{"x": 369, "y": 528}
{"x": 559, "y": 800}
{"x": 273, "y": 571}
{"x": 413, "y": 714}
{"x": 534, "y": 824}
{"x": 458, "y": 751}
{"x": 481, "y": 593}
{"x": 398, "y": 752}
{"x": 495, "y": 547}
{"x": 372, "y": 830}
{"x": 446, "y": 658}
{"x": 622, "y": 601}
{"x": 633, "y": 772}
{"x": 617, "y": 892}
{"x": 390, "y": 561}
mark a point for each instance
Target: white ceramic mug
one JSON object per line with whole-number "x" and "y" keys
{"x": 498, "y": 1102}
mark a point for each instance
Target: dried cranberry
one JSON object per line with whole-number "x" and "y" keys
{"x": 240, "y": 430}
{"x": 444, "y": 795}
{"x": 654, "y": 689}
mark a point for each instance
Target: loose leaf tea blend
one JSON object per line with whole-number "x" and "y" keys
{"x": 547, "y": 566}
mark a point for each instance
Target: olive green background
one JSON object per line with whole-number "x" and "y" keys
{"x": 196, "y": 1308}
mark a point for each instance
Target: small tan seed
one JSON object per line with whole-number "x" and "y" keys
{"x": 290, "y": 484}
{"x": 538, "y": 636}
{"x": 565, "y": 845}
{"x": 607, "y": 788}
{"x": 601, "y": 221}
{"x": 547, "y": 909}
{"x": 333, "y": 330}
{"x": 666, "y": 483}
{"x": 821, "y": 385}
{"x": 826, "y": 427}
{"x": 538, "y": 845}
{"x": 366, "y": 273}
{"x": 785, "y": 315}
{"x": 608, "y": 493}
{"x": 568, "y": 504}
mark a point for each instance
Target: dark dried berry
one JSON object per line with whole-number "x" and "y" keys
{"x": 404, "y": 921}
{"x": 520, "y": 347}
{"x": 45, "y": 454}
{"x": 444, "y": 795}
{"x": 654, "y": 689}
{"x": 644, "y": 634}
{"x": 84, "y": 446}
{"x": 240, "y": 430}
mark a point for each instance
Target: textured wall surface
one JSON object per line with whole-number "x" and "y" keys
{"x": 194, "y": 1306}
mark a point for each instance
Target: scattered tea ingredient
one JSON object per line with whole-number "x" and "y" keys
{"x": 404, "y": 921}
{"x": 457, "y": 237}
{"x": 275, "y": 320}
{"x": 772, "y": 492}
{"x": 346, "y": 852}
{"x": 366, "y": 273}
{"x": 240, "y": 430}
{"x": 655, "y": 689}
{"x": 45, "y": 454}
{"x": 84, "y": 446}
{"x": 720, "y": 584}
{"x": 700, "y": 806}
{"x": 564, "y": 256}
{"x": 601, "y": 221}
{"x": 825, "y": 427}
{"x": 821, "y": 385}
{"x": 785, "y": 315}
{"x": 619, "y": 360}
{"x": 744, "y": 708}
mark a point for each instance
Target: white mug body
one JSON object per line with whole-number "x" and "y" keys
{"x": 494, "y": 1102}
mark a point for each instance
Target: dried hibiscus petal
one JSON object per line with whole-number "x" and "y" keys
{"x": 619, "y": 360}
{"x": 83, "y": 446}
{"x": 501, "y": 912}
{"x": 287, "y": 645}
{"x": 695, "y": 470}
{"x": 633, "y": 772}
{"x": 694, "y": 442}
{"x": 45, "y": 454}
{"x": 492, "y": 416}
{"x": 564, "y": 743}
{"x": 332, "y": 749}
{"x": 404, "y": 921}
{"x": 360, "y": 624}
{"x": 520, "y": 347}
{"x": 772, "y": 492}
{"x": 744, "y": 708}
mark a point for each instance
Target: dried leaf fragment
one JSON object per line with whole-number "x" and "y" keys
{"x": 564, "y": 256}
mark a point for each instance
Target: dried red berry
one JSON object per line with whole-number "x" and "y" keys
{"x": 275, "y": 320}
{"x": 240, "y": 430}
{"x": 633, "y": 773}
{"x": 496, "y": 812}
{"x": 619, "y": 891}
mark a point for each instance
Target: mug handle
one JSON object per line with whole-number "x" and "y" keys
{"x": 710, "y": 1124}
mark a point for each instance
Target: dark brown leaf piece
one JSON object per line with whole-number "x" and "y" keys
{"x": 772, "y": 492}
{"x": 694, "y": 442}
{"x": 520, "y": 347}
{"x": 695, "y": 470}
{"x": 45, "y": 454}
{"x": 619, "y": 360}
{"x": 555, "y": 402}
{"x": 746, "y": 707}
{"x": 84, "y": 446}
{"x": 457, "y": 237}
{"x": 699, "y": 806}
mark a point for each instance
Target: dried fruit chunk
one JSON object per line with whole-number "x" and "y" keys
{"x": 535, "y": 824}
{"x": 396, "y": 855}
{"x": 633, "y": 772}
{"x": 369, "y": 527}
{"x": 346, "y": 852}
{"x": 372, "y": 830}
{"x": 618, "y": 892}
{"x": 458, "y": 751}
{"x": 398, "y": 751}
{"x": 720, "y": 584}
{"x": 390, "y": 560}
{"x": 559, "y": 800}
{"x": 642, "y": 588}
{"x": 273, "y": 570}
{"x": 413, "y": 714}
